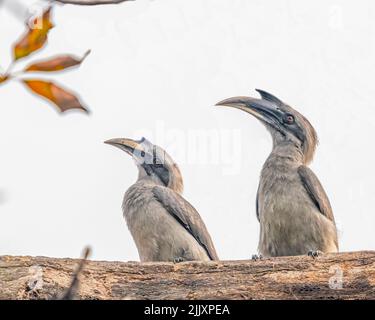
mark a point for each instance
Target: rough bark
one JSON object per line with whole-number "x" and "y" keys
{"x": 299, "y": 277}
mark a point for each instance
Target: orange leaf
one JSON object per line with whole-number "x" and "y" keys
{"x": 3, "y": 78}
{"x": 35, "y": 38}
{"x": 56, "y": 63}
{"x": 62, "y": 98}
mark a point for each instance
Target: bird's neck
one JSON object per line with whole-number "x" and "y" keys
{"x": 149, "y": 179}
{"x": 287, "y": 152}
{"x": 175, "y": 180}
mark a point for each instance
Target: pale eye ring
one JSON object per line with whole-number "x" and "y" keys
{"x": 289, "y": 119}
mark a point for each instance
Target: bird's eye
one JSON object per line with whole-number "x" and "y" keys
{"x": 289, "y": 119}
{"x": 143, "y": 154}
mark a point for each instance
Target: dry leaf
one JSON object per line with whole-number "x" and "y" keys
{"x": 56, "y": 63}
{"x": 3, "y": 78}
{"x": 62, "y": 98}
{"x": 34, "y": 39}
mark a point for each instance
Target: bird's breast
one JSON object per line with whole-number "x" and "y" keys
{"x": 281, "y": 193}
{"x": 136, "y": 199}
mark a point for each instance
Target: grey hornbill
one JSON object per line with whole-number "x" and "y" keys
{"x": 292, "y": 207}
{"x": 164, "y": 226}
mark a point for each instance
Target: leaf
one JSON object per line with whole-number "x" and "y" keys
{"x": 62, "y": 98}
{"x": 56, "y": 63}
{"x": 3, "y": 78}
{"x": 35, "y": 38}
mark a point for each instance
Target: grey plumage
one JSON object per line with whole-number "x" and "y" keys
{"x": 164, "y": 226}
{"x": 292, "y": 207}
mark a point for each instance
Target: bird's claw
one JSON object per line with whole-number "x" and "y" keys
{"x": 178, "y": 260}
{"x": 256, "y": 257}
{"x": 314, "y": 253}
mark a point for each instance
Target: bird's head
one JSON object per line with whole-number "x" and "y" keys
{"x": 285, "y": 124}
{"x": 152, "y": 162}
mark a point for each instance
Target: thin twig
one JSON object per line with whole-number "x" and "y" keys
{"x": 71, "y": 292}
{"x": 90, "y": 2}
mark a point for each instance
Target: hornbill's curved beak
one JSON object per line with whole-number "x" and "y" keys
{"x": 140, "y": 150}
{"x": 266, "y": 111}
{"x": 127, "y": 145}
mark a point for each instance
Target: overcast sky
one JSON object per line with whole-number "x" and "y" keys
{"x": 156, "y": 70}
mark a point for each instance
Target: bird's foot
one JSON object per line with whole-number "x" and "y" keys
{"x": 256, "y": 257}
{"x": 178, "y": 260}
{"x": 314, "y": 253}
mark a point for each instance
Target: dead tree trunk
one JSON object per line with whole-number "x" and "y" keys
{"x": 333, "y": 276}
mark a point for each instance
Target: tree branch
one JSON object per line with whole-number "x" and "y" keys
{"x": 91, "y": 2}
{"x": 330, "y": 276}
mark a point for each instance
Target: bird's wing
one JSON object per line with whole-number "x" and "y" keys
{"x": 316, "y": 191}
{"x": 257, "y": 205}
{"x": 187, "y": 216}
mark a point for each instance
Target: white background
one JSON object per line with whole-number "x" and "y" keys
{"x": 156, "y": 69}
